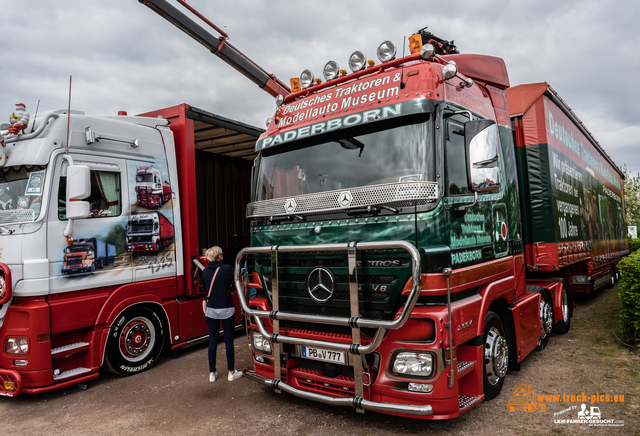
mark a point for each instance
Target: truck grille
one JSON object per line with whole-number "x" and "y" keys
{"x": 379, "y": 287}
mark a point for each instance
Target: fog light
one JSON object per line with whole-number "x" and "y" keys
{"x": 9, "y": 386}
{"x": 258, "y": 358}
{"x": 357, "y": 61}
{"x": 20, "y": 363}
{"x": 387, "y": 51}
{"x": 419, "y": 387}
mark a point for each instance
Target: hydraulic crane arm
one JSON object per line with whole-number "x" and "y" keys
{"x": 218, "y": 45}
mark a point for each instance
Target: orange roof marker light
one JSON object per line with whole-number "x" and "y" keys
{"x": 371, "y": 63}
{"x": 415, "y": 44}
{"x": 295, "y": 84}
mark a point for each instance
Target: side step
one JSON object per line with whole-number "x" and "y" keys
{"x": 466, "y": 402}
{"x": 71, "y": 348}
{"x": 70, "y": 373}
{"x": 464, "y": 367}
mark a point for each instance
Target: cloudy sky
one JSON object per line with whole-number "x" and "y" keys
{"x": 123, "y": 56}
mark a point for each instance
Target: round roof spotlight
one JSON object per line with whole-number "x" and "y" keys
{"x": 450, "y": 70}
{"x": 427, "y": 51}
{"x": 331, "y": 70}
{"x": 279, "y": 100}
{"x": 357, "y": 61}
{"x": 306, "y": 78}
{"x": 387, "y": 51}
{"x": 268, "y": 121}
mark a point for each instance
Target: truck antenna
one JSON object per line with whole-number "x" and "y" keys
{"x": 402, "y": 84}
{"x": 69, "y": 113}
{"x": 33, "y": 126}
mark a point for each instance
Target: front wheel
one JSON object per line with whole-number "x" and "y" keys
{"x": 135, "y": 341}
{"x": 496, "y": 356}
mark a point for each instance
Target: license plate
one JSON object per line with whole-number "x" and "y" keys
{"x": 323, "y": 355}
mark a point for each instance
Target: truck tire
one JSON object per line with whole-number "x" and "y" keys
{"x": 496, "y": 356}
{"x": 546, "y": 315}
{"x": 93, "y": 268}
{"x": 564, "y": 324}
{"x": 135, "y": 341}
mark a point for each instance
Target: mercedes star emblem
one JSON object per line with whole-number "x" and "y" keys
{"x": 345, "y": 198}
{"x": 290, "y": 205}
{"x": 320, "y": 284}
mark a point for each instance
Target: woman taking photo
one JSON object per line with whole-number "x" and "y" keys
{"x": 218, "y": 279}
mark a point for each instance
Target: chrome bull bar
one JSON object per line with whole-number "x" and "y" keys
{"x": 355, "y": 321}
{"x": 358, "y": 403}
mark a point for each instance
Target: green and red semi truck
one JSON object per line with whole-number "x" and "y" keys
{"x": 419, "y": 226}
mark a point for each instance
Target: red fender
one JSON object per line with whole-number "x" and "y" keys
{"x": 5, "y": 284}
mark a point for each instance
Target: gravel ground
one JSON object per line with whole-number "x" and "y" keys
{"x": 175, "y": 397}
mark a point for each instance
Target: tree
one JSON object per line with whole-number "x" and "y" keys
{"x": 632, "y": 198}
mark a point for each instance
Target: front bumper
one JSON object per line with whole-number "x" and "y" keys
{"x": 355, "y": 401}
{"x": 142, "y": 247}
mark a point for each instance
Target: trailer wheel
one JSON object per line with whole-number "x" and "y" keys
{"x": 496, "y": 356}
{"x": 135, "y": 341}
{"x": 564, "y": 324}
{"x": 546, "y": 315}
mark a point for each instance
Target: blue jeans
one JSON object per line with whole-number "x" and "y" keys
{"x": 214, "y": 335}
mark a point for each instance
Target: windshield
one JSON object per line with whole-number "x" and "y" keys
{"x": 78, "y": 249}
{"x": 400, "y": 154}
{"x": 144, "y": 178}
{"x": 21, "y": 191}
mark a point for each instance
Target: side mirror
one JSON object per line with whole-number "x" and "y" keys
{"x": 481, "y": 140}
{"x": 78, "y": 188}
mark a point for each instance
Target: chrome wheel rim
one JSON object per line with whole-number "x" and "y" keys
{"x": 496, "y": 356}
{"x": 565, "y": 306}
{"x": 137, "y": 339}
{"x": 546, "y": 318}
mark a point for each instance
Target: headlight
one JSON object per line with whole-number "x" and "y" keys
{"x": 306, "y": 78}
{"x": 386, "y": 51}
{"x": 331, "y": 70}
{"x": 260, "y": 343}
{"x": 450, "y": 70}
{"x": 413, "y": 364}
{"x": 357, "y": 61}
{"x": 17, "y": 346}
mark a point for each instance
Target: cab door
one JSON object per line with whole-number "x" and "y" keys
{"x": 99, "y": 239}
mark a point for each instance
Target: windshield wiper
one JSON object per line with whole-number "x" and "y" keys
{"x": 372, "y": 210}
